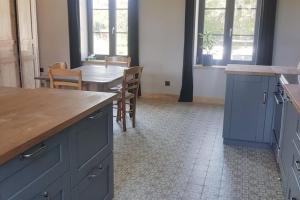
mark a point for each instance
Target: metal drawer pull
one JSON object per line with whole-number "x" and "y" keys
{"x": 35, "y": 153}
{"x": 96, "y": 116}
{"x": 46, "y": 196}
{"x": 96, "y": 173}
{"x": 297, "y": 164}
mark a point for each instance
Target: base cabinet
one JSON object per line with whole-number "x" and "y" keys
{"x": 75, "y": 164}
{"x": 248, "y": 109}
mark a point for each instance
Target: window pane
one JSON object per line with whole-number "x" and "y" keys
{"x": 122, "y": 21}
{"x": 218, "y": 49}
{"x": 244, "y": 22}
{"x": 245, "y": 3}
{"x": 214, "y": 21}
{"x": 215, "y": 4}
{"x": 122, "y": 44}
{"x": 100, "y": 4}
{"x": 122, "y": 4}
{"x": 101, "y": 43}
{"x": 242, "y": 48}
{"x": 100, "y": 21}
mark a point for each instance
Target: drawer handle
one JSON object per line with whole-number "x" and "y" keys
{"x": 96, "y": 116}
{"x": 293, "y": 198}
{"x": 35, "y": 153}
{"x": 96, "y": 172}
{"x": 297, "y": 164}
{"x": 46, "y": 196}
{"x": 265, "y": 98}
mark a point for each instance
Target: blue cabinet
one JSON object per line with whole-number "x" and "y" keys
{"x": 248, "y": 109}
{"x": 74, "y": 164}
{"x": 91, "y": 142}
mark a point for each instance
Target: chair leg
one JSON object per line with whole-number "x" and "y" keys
{"x": 124, "y": 114}
{"x": 133, "y": 112}
{"x": 118, "y": 111}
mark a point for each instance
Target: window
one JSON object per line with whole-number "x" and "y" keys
{"x": 108, "y": 27}
{"x": 234, "y": 27}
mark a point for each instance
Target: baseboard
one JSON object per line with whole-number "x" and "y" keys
{"x": 174, "y": 98}
{"x": 209, "y": 100}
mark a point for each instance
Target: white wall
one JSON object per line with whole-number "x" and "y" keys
{"x": 287, "y": 34}
{"x": 161, "y": 44}
{"x": 53, "y": 30}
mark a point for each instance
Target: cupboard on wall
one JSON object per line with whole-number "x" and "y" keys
{"x": 19, "y": 59}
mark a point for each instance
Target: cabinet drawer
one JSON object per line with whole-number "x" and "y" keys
{"x": 42, "y": 163}
{"x": 57, "y": 190}
{"x": 294, "y": 189}
{"x": 91, "y": 141}
{"x": 296, "y": 162}
{"x": 97, "y": 184}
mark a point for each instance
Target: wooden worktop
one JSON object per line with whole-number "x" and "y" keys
{"x": 27, "y": 117}
{"x": 261, "y": 70}
{"x": 293, "y": 92}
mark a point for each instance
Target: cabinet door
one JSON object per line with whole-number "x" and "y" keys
{"x": 294, "y": 190}
{"x": 28, "y": 43}
{"x": 58, "y": 190}
{"x": 9, "y": 67}
{"x": 290, "y": 120}
{"x": 245, "y": 108}
{"x": 98, "y": 184}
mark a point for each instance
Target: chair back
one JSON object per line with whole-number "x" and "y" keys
{"x": 118, "y": 60}
{"x": 65, "y": 78}
{"x": 59, "y": 65}
{"x": 131, "y": 80}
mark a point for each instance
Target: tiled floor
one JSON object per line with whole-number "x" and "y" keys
{"x": 176, "y": 152}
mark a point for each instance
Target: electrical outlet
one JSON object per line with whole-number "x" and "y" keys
{"x": 167, "y": 83}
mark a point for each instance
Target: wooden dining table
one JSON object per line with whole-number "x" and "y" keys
{"x": 95, "y": 77}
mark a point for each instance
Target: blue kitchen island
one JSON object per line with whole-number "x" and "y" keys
{"x": 55, "y": 144}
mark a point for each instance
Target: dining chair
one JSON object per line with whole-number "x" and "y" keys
{"x": 59, "y": 65}
{"x": 122, "y": 61}
{"x": 128, "y": 95}
{"x": 65, "y": 78}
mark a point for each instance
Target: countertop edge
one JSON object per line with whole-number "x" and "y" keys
{"x": 292, "y": 96}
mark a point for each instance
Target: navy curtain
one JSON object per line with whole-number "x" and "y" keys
{"x": 133, "y": 31}
{"x": 266, "y": 32}
{"x": 186, "y": 94}
{"x": 74, "y": 33}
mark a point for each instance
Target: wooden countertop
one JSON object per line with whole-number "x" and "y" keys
{"x": 27, "y": 117}
{"x": 260, "y": 70}
{"x": 293, "y": 91}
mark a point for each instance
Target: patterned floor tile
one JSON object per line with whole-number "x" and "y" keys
{"x": 177, "y": 152}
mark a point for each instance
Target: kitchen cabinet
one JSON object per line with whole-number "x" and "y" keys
{"x": 290, "y": 120}
{"x": 248, "y": 109}
{"x": 76, "y": 163}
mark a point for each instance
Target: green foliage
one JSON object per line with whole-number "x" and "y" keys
{"x": 208, "y": 41}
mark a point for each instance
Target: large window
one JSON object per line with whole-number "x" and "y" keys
{"x": 234, "y": 27}
{"x": 108, "y": 27}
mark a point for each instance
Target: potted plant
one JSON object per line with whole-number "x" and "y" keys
{"x": 208, "y": 44}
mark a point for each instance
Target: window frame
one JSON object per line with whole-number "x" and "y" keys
{"x": 228, "y": 27}
{"x": 112, "y": 29}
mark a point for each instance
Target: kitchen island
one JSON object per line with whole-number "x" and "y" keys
{"x": 55, "y": 144}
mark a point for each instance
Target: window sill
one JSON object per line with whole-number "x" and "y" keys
{"x": 210, "y": 67}
{"x": 93, "y": 62}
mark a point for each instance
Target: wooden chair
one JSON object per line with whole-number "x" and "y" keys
{"x": 65, "y": 78}
{"x": 118, "y": 60}
{"x": 128, "y": 95}
{"x": 59, "y": 65}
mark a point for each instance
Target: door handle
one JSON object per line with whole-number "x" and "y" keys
{"x": 265, "y": 98}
